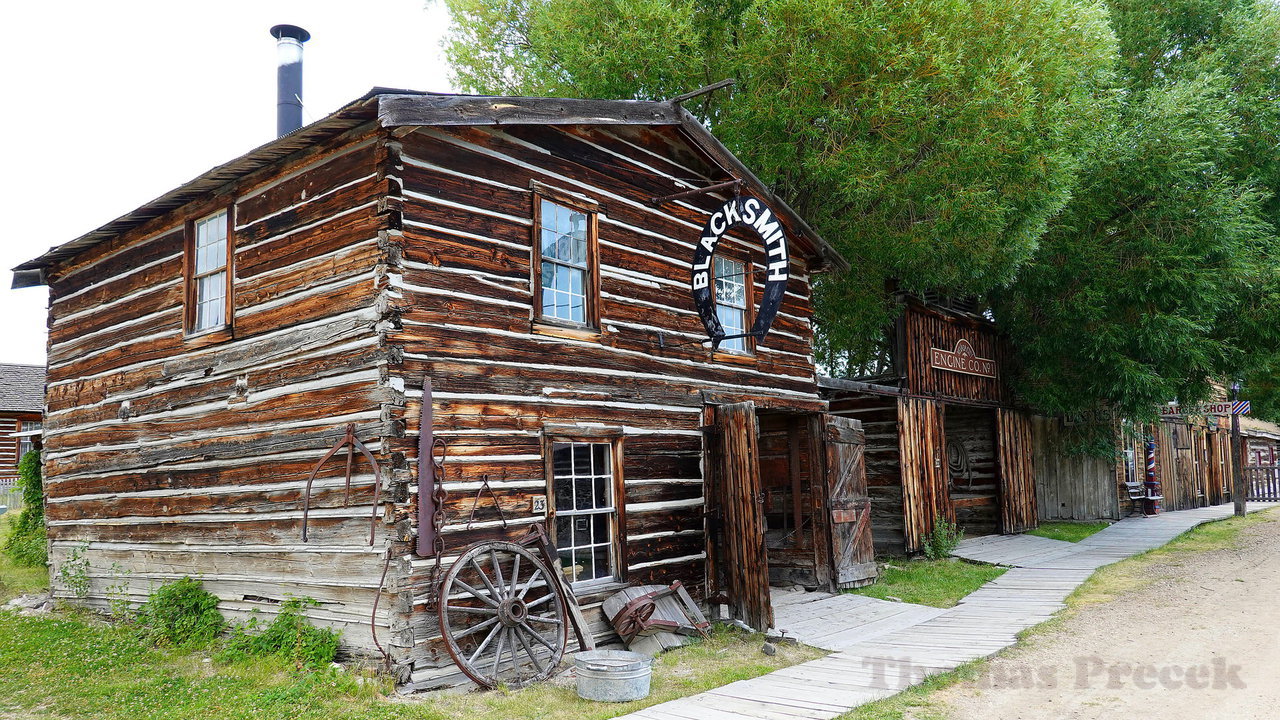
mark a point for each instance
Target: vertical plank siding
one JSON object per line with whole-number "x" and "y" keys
{"x": 167, "y": 456}
{"x": 1071, "y": 486}
{"x": 922, "y": 456}
{"x": 924, "y": 329}
{"x": 1017, "y": 471}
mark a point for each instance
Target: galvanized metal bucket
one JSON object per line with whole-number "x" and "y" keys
{"x": 612, "y": 675}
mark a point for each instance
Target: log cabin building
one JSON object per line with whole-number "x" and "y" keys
{"x": 21, "y": 409}
{"x": 944, "y": 435}
{"x": 506, "y": 258}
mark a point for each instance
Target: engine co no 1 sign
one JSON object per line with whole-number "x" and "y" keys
{"x": 750, "y": 212}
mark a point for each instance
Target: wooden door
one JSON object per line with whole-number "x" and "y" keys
{"x": 849, "y": 505}
{"x": 1017, "y": 473}
{"x": 922, "y": 456}
{"x": 740, "y": 502}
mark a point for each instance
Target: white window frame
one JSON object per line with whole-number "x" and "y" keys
{"x": 609, "y": 511}
{"x": 737, "y": 276}
{"x": 198, "y": 321}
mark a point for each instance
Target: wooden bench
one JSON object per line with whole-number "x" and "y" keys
{"x": 1138, "y": 497}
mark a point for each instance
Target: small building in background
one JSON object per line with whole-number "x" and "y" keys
{"x": 21, "y": 410}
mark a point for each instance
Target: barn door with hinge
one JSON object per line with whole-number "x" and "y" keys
{"x": 740, "y": 504}
{"x": 849, "y": 505}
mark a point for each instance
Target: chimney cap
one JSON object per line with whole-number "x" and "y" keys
{"x": 290, "y": 31}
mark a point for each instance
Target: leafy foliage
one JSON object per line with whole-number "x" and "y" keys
{"x": 944, "y": 538}
{"x": 930, "y": 141}
{"x": 26, "y": 544}
{"x": 181, "y": 614}
{"x": 1161, "y": 274}
{"x": 289, "y": 636}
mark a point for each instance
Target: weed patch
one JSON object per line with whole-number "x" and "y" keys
{"x": 181, "y": 614}
{"x": 288, "y": 636}
{"x": 944, "y": 538}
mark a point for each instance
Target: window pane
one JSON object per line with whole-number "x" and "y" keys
{"x": 602, "y": 492}
{"x": 564, "y": 532}
{"x": 582, "y": 530}
{"x": 600, "y": 567}
{"x": 211, "y": 243}
{"x": 600, "y": 533}
{"x": 600, "y": 459}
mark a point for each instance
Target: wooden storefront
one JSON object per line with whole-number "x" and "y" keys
{"x": 944, "y": 437}
{"x": 410, "y": 247}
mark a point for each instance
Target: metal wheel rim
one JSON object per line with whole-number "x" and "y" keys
{"x": 494, "y": 638}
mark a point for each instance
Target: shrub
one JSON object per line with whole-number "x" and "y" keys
{"x": 944, "y": 538}
{"x": 181, "y": 614}
{"x": 289, "y": 636}
{"x": 26, "y": 544}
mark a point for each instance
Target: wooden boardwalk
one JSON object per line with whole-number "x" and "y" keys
{"x": 887, "y": 658}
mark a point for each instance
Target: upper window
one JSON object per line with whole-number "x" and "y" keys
{"x": 731, "y": 302}
{"x": 586, "y": 513}
{"x": 565, "y": 266}
{"x": 208, "y": 281}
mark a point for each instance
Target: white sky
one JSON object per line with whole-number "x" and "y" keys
{"x": 106, "y": 105}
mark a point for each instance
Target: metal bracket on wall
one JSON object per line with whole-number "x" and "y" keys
{"x": 352, "y": 443}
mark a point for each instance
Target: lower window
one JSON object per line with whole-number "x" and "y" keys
{"x": 586, "y": 513}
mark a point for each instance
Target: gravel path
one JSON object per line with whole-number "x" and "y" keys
{"x": 1202, "y": 641}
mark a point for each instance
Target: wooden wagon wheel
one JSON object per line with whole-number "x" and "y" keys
{"x": 501, "y": 615}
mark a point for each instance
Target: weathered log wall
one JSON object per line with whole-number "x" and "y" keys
{"x": 170, "y": 456}
{"x": 464, "y": 317}
{"x": 359, "y": 268}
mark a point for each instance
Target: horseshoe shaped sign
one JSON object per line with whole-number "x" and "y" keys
{"x": 750, "y": 212}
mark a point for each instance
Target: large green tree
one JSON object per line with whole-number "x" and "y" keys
{"x": 930, "y": 141}
{"x": 1160, "y": 275}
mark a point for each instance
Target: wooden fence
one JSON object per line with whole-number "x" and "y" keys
{"x": 1262, "y": 482}
{"x": 10, "y": 495}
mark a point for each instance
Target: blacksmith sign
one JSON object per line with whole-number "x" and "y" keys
{"x": 962, "y": 360}
{"x": 749, "y": 212}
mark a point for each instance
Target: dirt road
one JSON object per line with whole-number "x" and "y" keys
{"x": 1201, "y": 642}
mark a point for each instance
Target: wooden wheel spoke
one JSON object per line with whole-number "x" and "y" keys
{"x": 469, "y": 609}
{"x": 497, "y": 575}
{"x": 529, "y": 651}
{"x": 476, "y": 628}
{"x": 485, "y": 579}
{"x": 515, "y": 574}
{"x": 547, "y": 620}
{"x": 497, "y": 656}
{"x": 537, "y": 637}
{"x": 476, "y": 593}
{"x": 532, "y": 579}
{"x": 480, "y": 649}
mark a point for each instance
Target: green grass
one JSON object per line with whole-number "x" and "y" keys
{"x": 75, "y": 666}
{"x": 16, "y": 580}
{"x": 1068, "y": 531}
{"x": 937, "y": 583}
